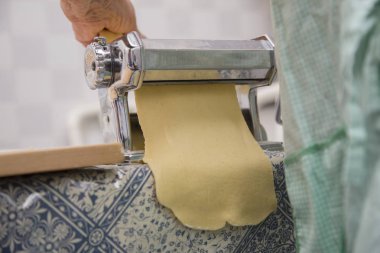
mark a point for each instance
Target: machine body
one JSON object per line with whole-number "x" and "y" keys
{"x": 130, "y": 62}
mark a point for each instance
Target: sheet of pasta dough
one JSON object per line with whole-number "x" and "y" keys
{"x": 208, "y": 168}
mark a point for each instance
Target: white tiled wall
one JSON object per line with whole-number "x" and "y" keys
{"x": 41, "y": 73}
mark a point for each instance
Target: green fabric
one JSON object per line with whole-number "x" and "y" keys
{"x": 328, "y": 55}
{"x": 360, "y": 58}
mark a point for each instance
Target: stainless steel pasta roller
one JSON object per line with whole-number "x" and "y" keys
{"x": 130, "y": 62}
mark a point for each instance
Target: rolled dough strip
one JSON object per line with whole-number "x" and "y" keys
{"x": 55, "y": 159}
{"x": 208, "y": 168}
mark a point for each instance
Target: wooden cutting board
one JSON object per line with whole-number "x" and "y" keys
{"x": 56, "y": 159}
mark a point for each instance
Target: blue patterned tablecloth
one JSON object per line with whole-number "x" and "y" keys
{"x": 114, "y": 209}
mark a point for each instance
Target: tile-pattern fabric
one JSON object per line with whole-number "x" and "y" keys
{"x": 41, "y": 64}
{"x": 114, "y": 209}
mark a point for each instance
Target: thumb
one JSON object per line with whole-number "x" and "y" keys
{"x": 85, "y": 32}
{"x": 121, "y": 19}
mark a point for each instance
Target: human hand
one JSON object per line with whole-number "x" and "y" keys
{"x": 89, "y": 17}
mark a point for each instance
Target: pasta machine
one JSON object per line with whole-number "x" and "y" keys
{"x": 116, "y": 69}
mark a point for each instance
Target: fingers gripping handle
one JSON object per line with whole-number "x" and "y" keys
{"x": 110, "y": 36}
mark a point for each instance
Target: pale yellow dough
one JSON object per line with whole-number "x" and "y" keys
{"x": 208, "y": 168}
